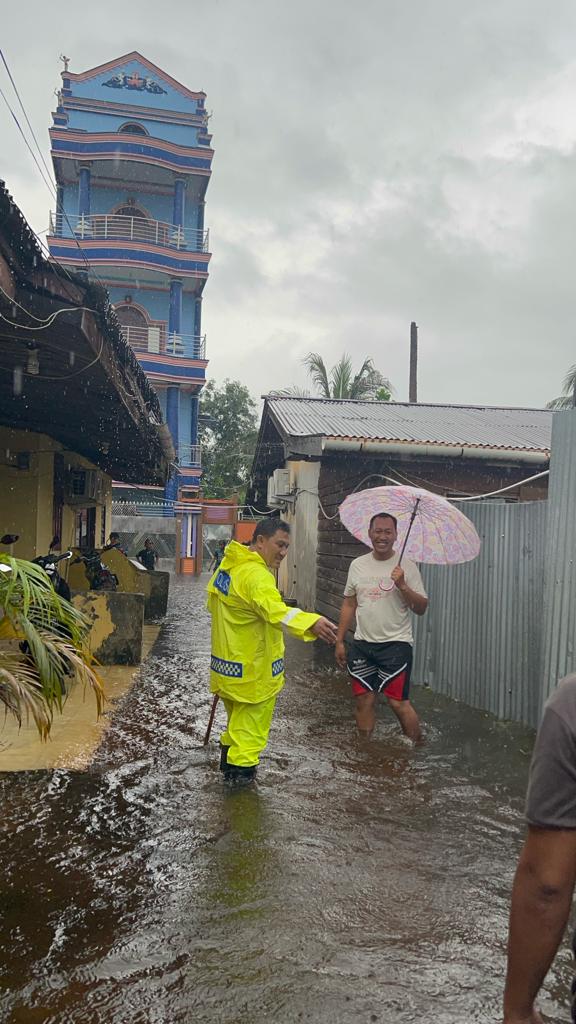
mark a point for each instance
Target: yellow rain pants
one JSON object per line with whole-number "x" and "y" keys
{"x": 247, "y": 731}
{"x": 247, "y": 659}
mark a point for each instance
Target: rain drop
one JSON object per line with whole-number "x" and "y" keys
{"x": 17, "y": 378}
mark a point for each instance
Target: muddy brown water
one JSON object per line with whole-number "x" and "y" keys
{"x": 358, "y": 882}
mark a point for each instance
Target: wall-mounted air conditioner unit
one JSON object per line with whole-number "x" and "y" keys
{"x": 84, "y": 487}
{"x": 278, "y": 488}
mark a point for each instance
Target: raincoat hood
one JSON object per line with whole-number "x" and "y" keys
{"x": 238, "y": 554}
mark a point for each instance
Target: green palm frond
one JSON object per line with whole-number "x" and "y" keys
{"x": 43, "y": 646}
{"x": 562, "y": 402}
{"x": 21, "y": 693}
{"x": 569, "y": 382}
{"x": 292, "y": 392}
{"x": 317, "y": 370}
{"x": 341, "y": 381}
{"x": 566, "y": 399}
{"x": 341, "y": 377}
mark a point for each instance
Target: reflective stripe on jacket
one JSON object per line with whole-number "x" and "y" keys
{"x": 247, "y": 660}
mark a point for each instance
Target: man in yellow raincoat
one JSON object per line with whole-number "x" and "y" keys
{"x": 247, "y": 661}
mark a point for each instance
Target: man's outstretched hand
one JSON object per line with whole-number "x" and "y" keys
{"x": 325, "y": 630}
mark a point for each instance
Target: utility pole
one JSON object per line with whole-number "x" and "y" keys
{"x": 413, "y": 386}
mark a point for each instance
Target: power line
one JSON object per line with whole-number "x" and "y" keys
{"x": 40, "y": 320}
{"x": 27, "y": 144}
{"x": 9, "y": 73}
{"x": 48, "y": 183}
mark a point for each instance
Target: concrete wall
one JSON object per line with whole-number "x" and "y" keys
{"x": 297, "y": 574}
{"x": 182, "y": 135}
{"x": 116, "y": 624}
{"x": 27, "y": 495}
{"x": 134, "y": 579}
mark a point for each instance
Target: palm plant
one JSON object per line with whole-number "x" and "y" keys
{"x": 566, "y": 399}
{"x": 342, "y": 382}
{"x": 43, "y": 646}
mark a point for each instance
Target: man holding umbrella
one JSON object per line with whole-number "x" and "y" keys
{"x": 380, "y": 594}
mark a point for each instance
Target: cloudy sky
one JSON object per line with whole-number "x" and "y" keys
{"x": 376, "y": 162}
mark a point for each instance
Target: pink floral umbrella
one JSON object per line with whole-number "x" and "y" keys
{"x": 430, "y": 529}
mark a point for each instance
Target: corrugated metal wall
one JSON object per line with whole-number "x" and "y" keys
{"x": 481, "y": 639}
{"x": 559, "y": 604}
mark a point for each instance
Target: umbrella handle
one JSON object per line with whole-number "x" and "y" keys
{"x": 410, "y": 525}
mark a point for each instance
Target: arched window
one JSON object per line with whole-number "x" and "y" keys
{"x": 134, "y": 323}
{"x": 130, "y": 211}
{"x": 131, "y": 316}
{"x": 132, "y": 222}
{"x": 132, "y": 128}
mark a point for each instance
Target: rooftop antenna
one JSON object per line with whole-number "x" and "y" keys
{"x": 413, "y": 385}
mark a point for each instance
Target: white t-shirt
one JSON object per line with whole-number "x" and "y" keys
{"x": 381, "y": 615}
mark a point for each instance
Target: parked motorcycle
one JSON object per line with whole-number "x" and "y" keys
{"x": 48, "y": 563}
{"x": 99, "y": 575}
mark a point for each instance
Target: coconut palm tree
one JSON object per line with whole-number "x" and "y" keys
{"x": 43, "y": 645}
{"x": 566, "y": 399}
{"x": 342, "y": 382}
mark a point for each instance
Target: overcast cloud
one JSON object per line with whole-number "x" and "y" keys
{"x": 376, "y": 162}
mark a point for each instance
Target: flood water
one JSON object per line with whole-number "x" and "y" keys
{"x": 358, "y": 883}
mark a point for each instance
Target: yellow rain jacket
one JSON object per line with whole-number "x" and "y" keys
{"x": 247, "y": 662}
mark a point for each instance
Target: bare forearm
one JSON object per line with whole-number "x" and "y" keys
{"x": 347, "y": 614}
{"x": 538, "y": 917}
{"x": 416, "y": 602}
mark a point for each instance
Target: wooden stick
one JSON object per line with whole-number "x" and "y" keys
{"x": 211, "y": 719}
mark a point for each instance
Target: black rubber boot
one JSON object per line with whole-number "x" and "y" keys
{"x": 238, "y": 775}
{"x": 223, "y": 757}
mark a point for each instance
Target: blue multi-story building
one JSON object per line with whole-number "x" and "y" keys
{"x": 132, "y": 158}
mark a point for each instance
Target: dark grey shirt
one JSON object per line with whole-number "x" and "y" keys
{"x": 551, "y": 797}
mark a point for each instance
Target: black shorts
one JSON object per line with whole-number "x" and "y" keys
{"x": 380, "y": 668}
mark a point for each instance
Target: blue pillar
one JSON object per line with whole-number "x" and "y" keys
{"x": 84, "y": 192}
{"x": 179, "y": 200}
{"x": 194, "y": 420}
{"x": 175, "y": 310}
{"x": 198, "y": 318}
{"x": 201, "y": 208}
{"x": 172, "y": 415}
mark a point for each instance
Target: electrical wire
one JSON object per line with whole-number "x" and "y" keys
{"x": 9, "y": 73}
{"x": 76, "y": 373}
{"x": 42, "y": 320}
{"x": 501, "y": 490}
{"x": 381, "y": 476}
{"x": 27, "y": 144}
{"x": 58, "y": 312}
{"x": 46, "y": 181}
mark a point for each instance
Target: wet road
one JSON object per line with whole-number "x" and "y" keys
{"x": 357, "y": 883}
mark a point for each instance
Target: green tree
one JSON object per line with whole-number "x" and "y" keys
{"x": 43, "y": 645}
{"x": 228, "y": 432}
{"x": 342, "y": 382}
{"x": 566, "y": 399}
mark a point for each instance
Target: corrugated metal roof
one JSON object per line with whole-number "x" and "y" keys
{"x": 466, "y": 425}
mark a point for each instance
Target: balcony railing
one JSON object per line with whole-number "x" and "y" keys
{"x": 165, "y": 509}
{"x": 189, "y": 455}
{"x": 158, "y": 341}
{"x": 102, "y": 226}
